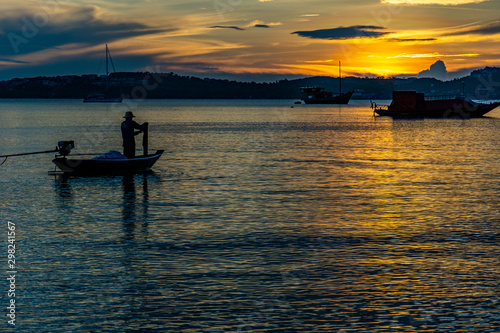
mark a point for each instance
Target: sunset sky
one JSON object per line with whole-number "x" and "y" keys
{"x": 248, "y": 38}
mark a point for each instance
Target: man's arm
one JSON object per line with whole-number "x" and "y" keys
{"x": 139, "y": 127}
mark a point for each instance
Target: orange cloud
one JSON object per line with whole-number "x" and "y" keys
{"x": 432, "y": 2}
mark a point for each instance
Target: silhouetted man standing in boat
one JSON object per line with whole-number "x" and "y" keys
{"x": 128, "y": 133}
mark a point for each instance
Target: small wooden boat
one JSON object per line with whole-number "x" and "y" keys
{"x": 110, "y": 163}
{"x": 107, "y": 165}
{"x": 101, "y": 98}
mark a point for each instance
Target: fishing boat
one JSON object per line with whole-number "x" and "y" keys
{"x": 104, "y": 97}
{"x": 411, "y": 104}
{"x": 319, "y": 95}
{"x": 107, "y": 165}
{"x": 112, "y": 162}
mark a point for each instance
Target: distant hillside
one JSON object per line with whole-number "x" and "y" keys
{"x": 480, "y": 84}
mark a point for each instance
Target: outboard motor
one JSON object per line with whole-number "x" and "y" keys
{"x": 64, "y": 147}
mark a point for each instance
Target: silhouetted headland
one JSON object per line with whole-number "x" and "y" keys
{"x": 480, "y": 84}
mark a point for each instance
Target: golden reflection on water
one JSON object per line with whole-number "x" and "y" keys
{"x": 408, "y": 208}
{"x": 291, "y": 220}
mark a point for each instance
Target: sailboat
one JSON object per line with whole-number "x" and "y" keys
{"x": 318, "y": 95}
{"x": 104, "y": 97}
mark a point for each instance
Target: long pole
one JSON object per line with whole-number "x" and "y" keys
{"x": 33, "y": 153}
{"x": 145, "y": 137}
{"x": 340, "y": 79}
{"x": 24, "y": 154}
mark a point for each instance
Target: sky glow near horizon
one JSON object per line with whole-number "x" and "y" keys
{"x": 248, "y": 38}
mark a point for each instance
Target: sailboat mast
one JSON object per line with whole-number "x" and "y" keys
{"x": 340, "y": 80}
{"x": 107, "y": 71}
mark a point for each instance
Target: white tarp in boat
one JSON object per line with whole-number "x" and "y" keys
{"x": 111, "y": 155}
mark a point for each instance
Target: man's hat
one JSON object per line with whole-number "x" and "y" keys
{"x": 128, "y": 114}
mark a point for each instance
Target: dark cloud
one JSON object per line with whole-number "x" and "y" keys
{"x": 261, "y": 26}
{"x": 193, "y": 66}
{"x": 14, "y": 61}
{"x": 80, "y": 64}
{"x": 491, "y": 28}
{"x": 226, "y": 27}
{"x": 412, "y": 39}
{"x": 26, "y": 32}
{"x": 356, "y": 31}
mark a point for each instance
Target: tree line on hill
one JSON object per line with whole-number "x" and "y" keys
{"x": 480, "y": 84}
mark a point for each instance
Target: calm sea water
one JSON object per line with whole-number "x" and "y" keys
{"x": 261, "y": 217}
